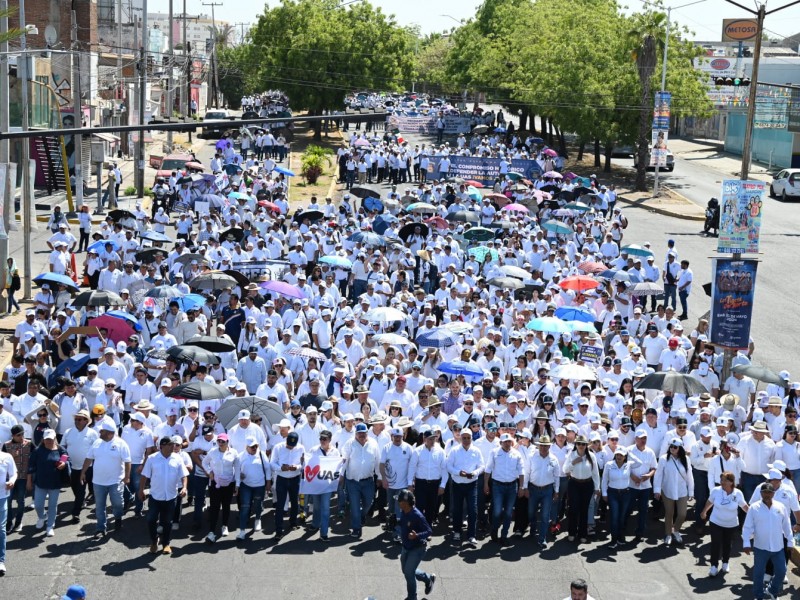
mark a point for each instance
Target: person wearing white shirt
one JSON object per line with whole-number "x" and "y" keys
{"x": 167, "y": 476}
{"x": 395, "y": 474}
{"x": 220, "y": 464}
{"x": 245, "y": 428}
{"x": 253, "y": 480}
{"x": 757, "y": 450}
{"x": 77, "y": 441}
{"x": 542, "y": 479}
{"x": 287, "y": 465}
{"x": 428, "y": 471}
{"x": 506, "y": 470}
{"x": 310, "y": 430}
{"x": 726, "y": 500}
{"x": 766, "y": 529}
{"x": 322, "y": 502}
{"x": 615, "y": 488}
{"x": 674, "y": 483}
{"x": 465, "y": 465}
{"x": 141, "y": 444}
{"x": 361, "y": 464}
{"x": 110, "y": 459}
{"x": 641, "y": 479}
{"x": 8, "y": 475}
{"x": 584, "y": 481}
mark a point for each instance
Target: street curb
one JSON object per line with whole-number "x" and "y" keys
{"x": 661, "y": 211}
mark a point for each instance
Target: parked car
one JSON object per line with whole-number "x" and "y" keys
{"x": 216, "y": 130}
{"x": 670, "y": 162}
{"x": 623, "y": 150}
{"x": 785, "y": 184}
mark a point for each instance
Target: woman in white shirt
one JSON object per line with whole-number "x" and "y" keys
{"x": 584, "y": 482}
{"x": 615, "y": 488}
{"x": 725, "y": 499}
{"x": 788, "y": 450}
{"x": 674, "y": 484}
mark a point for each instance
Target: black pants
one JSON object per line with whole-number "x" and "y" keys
{"x": 721, "y": 539}
{"x": 160, "y": 512}
{"x": 79, "y": 489}
{"x": 427, "y": 493}
{"x": 219, "y": 499}
{"x": 521, "y": 520}
{"x": 580, "y": 494}
{"x": 83, "y": 242}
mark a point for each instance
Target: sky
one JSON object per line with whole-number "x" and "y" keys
{"x": 703, "y": 18}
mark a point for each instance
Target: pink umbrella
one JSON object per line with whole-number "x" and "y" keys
{"x": 118, "y": 330}
{"x": 515, "y": 207}
{"x": 550, "y": 152}
{"x": 438, "y": 222}
{"x": 473, "y": 183}
{"x": 552, "y": 175}
{"x": 283, "y": 288}
{"x": 571, "y": 175}
{"x": 362, "y": 142}
{"x": 542, "y": 196}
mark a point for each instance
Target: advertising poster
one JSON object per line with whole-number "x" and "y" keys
{"x": 740, "y": 216}
{"x": 732, "y": 292}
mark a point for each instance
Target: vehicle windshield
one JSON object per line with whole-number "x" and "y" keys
{"x": 173, "y": 164}
{"x": 215, "y": 115}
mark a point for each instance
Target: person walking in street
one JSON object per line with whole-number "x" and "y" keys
{"x": 288, "y": 458}
{"x": 724, "y": 502}
{"x": 220, "y": 464}
{"x": 361, "y": 465}
{"x": 584, "y": 480}
{"x": 415, "y": 532}
{"x": 45, "y": 479}
{"x": 616, "y": 492}
{"x": 253, "y": 480}
{"x": 766, "y": 529}
{"x": 674, "y": 485}
{"x": 167, "y": 476}
{"x": 12, "y": 285}
{"x": 685, "y": 277}
{"x": 20, "y": 448}
{"x": 8, "y": 479}
{"x": 394, "y": 467}
{"x": 505, "y": 470}
{"x": 428, "y": 471}
{"x": 77, "y": 441}
{"x": 543, "y": 483}
{"x": 110, "y": 460}
{"x": 320, "y": 520}
{"x": 465, "y": 466}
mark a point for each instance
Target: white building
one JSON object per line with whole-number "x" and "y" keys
{"x": 198, "y": 30}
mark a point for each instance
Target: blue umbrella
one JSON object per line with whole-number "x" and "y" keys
{"x": 473, "y": 193}
{"x": 460, "y": 367}
{"x": 155, "y": 236}
{"x": 100, "y": 245}
{"x": 125, "y": 316}
{"x": 284, "y": 171}
{"x": 55, "y": 279}
{"x": 620, "y": 275}
{"x": 336, "y": 261}
{"x": 549, "y": 325}
{"x": 481, "y": 252}
{"x": 214, "y": 200}
{"x": 368, "y": 238}
{"x": 73, "y": 365}
{"x": 636, "y": 250}
{"x": 582, "y": 326}
{"x": 190, "y": 301}
{"x": 557, "y": 227}
{"x": 231, "y": 169}
{"x": 570, "y": 313}
{"x": 437, "y": 338}
{"x": 373, "y": 204}
{"x": 237, "y": 196}
{"x": 381, "y": 224}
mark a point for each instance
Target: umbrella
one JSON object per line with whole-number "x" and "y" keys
{"x": 385, "y": 314}
{"x": 573, "y": 372}
{"x": 118, "y": 329}
{"x": 149, "y": 255}
{"x": 125, "y": 316}
{"x": 55, "y": 279}
{"x": 100, "y": 245}
{"x": 214, "y": 200}
{"x": 307, "y": 353}
{"x": 636, "y": 250}
{"x": 592, "y": 267}
{"x": 473, "y": 193}
{"x": 191, "y": 353}
{"x": 550, "y": 188}
{"x": 120, "y": 213}
{"x": 549, "y": 325}
{"x": 199, "y": 390}
{"x": 156, "y": 354}
{"x": 515, "y": 207}
{"x": 155, "y": 236}
{"x": 393, "y": 339}
{"x": 73, "y": 365}
{"x": 513, "y": 271}
{"x": 618, "y": 275}
{"x": 190, "y": 301}
{"x": 541, "y": 195}
{"x": 464, "y": 216}
{"x": 672, "y": 381}
{"x": 480, "y": 129}
{"x": 362, "y": 192}
{"x": 421, "y": 207}
{"x": 581, "y": 326}
{"x": 473, "y": 183}
{"x": 439, "y": 337}
{"x": 270, "y": 412}
{"x": 336, "y": 261}
{"x": 570, "y": 313}
{"x": 646, "y": 288}
{"x": 231, "y": 169}
{"x": 498, "y": 198}
{"x": 408, "y": 199}
{"x": 508, "y": 283}
{"x": 534, "y": 287}
{"x": 481, "y": 252}
{"x": 479, "y": 234}
{"x": 194, "y": 165}
{"x": 577, "y": 206}
{"x": 240, "y": 278}
{"x": 438, "y": 222}
{"x": 367, "y": 238}
{"x": 381, "y": 224}
{"x": 579, "y": 283}
{"x": 557, "y": 227}
{"x": 373, "y": 204}
{"x": 271, "y": 206}
{"x": 282, "y": 288}
{"x": 407, "y": 230}
{"x": 187, "y": 258}
{"x": 211, "y": 343}
{"x": 460, "y": 367}
{"x": 514, "y": 176}
{"x": 284, "y": 171}
{"x": 760, "y": 373}
{"x": 98, "y": 298}
{"x": 361, "y": 142}
{"x": 213, "y": 280}
{"x": 163, "y": 291}
{"x": 311, "y": 215}
{"x": 549, "y": 152}
{"x": 237, "y": 233}
{"x": 552, "y": 175}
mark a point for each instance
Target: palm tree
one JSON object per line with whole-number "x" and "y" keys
{"x": 223, "y": 36}
{"x": 647, "y": 35}
{"x": 12, "y": 33}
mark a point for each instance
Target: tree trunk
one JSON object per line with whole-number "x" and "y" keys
{"x": 523, "y": 120}
{"x": 316, "y": 125}
{"x": 581, "y": 148}
{"x": 533, "y": 124}
{"x": 646, "y": 64}
{"x": 562, "y": 143}
{"x": 597, "y": 162}
{"x": 609, "y": 147}
{"x": 550, "y": 131}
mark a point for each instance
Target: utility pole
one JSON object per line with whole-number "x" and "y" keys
{"x": 25, "y": 164}
{"x": 214, "y": 50}
{"x": 5, "y": 147}
{"x": 77, "y": 108}
{"x": 138, "y": 167}
{"x": 170, "y": 103}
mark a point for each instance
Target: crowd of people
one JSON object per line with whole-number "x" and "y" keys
{"x": 497, "y": 380}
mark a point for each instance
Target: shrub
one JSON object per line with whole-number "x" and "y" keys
{"x": 313, "y": 162}
{"x": 130, "y": 191}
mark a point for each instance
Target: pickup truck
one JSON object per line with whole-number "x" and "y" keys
{"x": 170, "y": 163}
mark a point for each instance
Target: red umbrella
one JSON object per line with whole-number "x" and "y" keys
{"x": 118, "y": 330}
{"x": 270, "y": 206}
{"x": 592, "y": 267}
{"x": 438, "y": 222}
{"x": 579, "y": 283}
{"x": 474, "y": 183}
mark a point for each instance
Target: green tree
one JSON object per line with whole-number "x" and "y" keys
{"x": 231, "y": 76}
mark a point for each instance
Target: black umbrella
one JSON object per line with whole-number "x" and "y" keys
{"x": 550, "y": 188}
{"x": 236, "y": 232}
{"x": 98, "y": 298}
{"x": 761, "y": 374}
{"x": 581, "y": 190}
{"x": 464, "y": 216}
{"x": 567, "y": 195}
{"x": 149, "y": 255}
{"x": 508, "y": 283}
{"x": 407, "y": 230}
{"x": 533, "y": 287}
{"x": 211, "y": 343}
{"x": 311, "y": 215}
{"x": 120, "y": 213}
{"x": 192, "y": 353}
{"x": 163, "y": 291}
{"x": 238, "y": 276}
{"x": 362, "y": 192}
{"x": 672, "y": 381}
{"x": 199, "y": 390}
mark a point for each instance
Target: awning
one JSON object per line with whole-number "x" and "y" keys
{"x": 107, "y": 137}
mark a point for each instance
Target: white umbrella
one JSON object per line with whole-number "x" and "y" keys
{"x": 385, "y": 314}
{"x": 573, "y": 371}
{"x": 392, "y": 338}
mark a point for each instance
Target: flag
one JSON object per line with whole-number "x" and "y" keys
{"x": 320, "y": 474}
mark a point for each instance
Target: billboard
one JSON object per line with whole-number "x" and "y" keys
{"x": 772, "y": 107}
{"x": 739, "y": 30}
{"x": 732, "y": 292}
{"x": 740, "y": 216}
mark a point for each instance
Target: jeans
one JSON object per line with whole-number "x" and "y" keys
{"x": 160, "y": 512}
{"x": 322, "y": 512}
{"x": 540, "y": 498}
{"x": 17, "y": 494}
{"x": 3, "y": 515}
{"x": 286, "y": 487}
{"x": 132, "y": 490}
{"x": 503, "y": 497}
{"x": 640, "y": 500}
{"x": 251, "y": 501}
{"x": 465, "y": 493}
{"x": 113, "y": 493}
{"x": 778, "y": 561}
{"x": 198, "y": 486}
{"x": 409, "y": 563}
{"x": 360, "y": 494}
{"x": 749, "y": 484}
{"x": 670, "y": 292}
{"x": 618, "y": 503}
{"x": 39, "y": 497}
{"x": 11, "y": 300}
{"x": 683, "y": 296}
{"x": 394, "y": 509}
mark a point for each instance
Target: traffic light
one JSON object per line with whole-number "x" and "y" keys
{"x": 734, "y": 81}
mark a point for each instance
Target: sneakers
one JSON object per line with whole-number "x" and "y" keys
{"x": 430, "y": 583}
{"x": 257, "y": 525}
{"x": 242, "y": 534}
{"x": 50, "y": 532}
{"x": 613, "y": 544}
{"x": 668, "y": 540}
{"x": 224, "y": 531}
{"x": 40, "y": 523}
{"x": 175, "y": 527}
{"x": 677, "y": 537}
{"x": 154, "y": 548}
{"x": 211, "y": 538}
{"x": 456, "y": 537}
{"x": 712, "y": 572}
{"x": 2, "y": 569}
{"x": 167, "y": 550}
{"x": 725, "y": 568}
{"x": 543, "y": 546}
{"x": 472, "y": 542}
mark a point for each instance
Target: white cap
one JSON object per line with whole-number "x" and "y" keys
{"x": 244, "y": 414}
{"x": 49, "y": 434}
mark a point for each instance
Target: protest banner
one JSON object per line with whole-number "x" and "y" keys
{"x": 486, "y": 170}
{"x": 320, "y": 474}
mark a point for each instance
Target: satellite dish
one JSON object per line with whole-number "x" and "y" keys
{"x": 50, "y": 36}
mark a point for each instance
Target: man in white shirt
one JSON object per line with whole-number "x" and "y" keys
{"x": 77, "y": 441}
{"x": 542, "y": 478}
{"x": 465, "y": 465}
{"x": 110, "y": 459}
{"x": 361, "y": 463}
{"x": 141, "y": 444}
{"x": 395, "y": 474}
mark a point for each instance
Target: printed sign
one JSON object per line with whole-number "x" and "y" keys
{"x": 739, "y": 30}
{"x": 661, "y": 112}
{"x": 427, "y": 124}
{"x": 740, "y": 216}
{"x": 732, "y": 292}
{"x": 320, "y": 474}
{"x": 486, "y": 170}
{"x": 658, "y": 148}
{"x": 590, "y": 354}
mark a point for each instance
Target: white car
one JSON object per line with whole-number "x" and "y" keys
{"x": 786, "y": 184}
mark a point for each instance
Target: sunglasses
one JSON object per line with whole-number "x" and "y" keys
{"x": 192, "y": 410}
{"x": 40, "y": 415}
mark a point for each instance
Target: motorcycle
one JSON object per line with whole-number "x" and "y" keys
{"x": 712, "y": 218}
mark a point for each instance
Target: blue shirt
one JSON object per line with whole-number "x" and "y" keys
{"x": 414, "y": 521}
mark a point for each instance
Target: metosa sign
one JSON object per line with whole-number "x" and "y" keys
{"x": 739, "y": 30}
